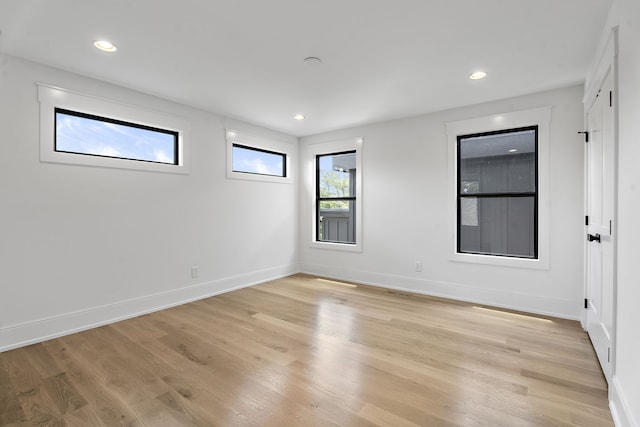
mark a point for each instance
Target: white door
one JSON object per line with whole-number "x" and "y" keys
{"x": 601, "y": 163}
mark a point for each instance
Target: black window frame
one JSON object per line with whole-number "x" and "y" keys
{"x": 261, "y": 150}
{"x": 175, "y": 134}
{"x": 480, "y": 195}
{"x": 329, "y": 199}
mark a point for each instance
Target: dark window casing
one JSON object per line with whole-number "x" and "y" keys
{"x": 281, "y": 156}
{"x": 335, "y": 213}
{"x": 497, "y": 194}
{"x": 174, "y": 134}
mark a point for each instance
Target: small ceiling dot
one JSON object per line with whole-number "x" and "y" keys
{"x": 312, "y": 61}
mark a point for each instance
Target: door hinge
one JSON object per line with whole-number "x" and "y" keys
{"x": 610, "y": 228}
{"x": 610, "y": 98}
{"x": 586, "y": 303}
{"x": 586, "y": 220}
{"x": 608, "y": 354}
{"x": 586, "y": 135}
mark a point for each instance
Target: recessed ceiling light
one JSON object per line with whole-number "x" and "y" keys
{"x": 105, "y": 45}
{"x": 513, "y": 150}
{"x": 298, "y": 117}
{"x": 477, "y": 75}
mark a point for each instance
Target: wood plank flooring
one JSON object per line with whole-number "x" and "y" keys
{"x": 305, "y": 351}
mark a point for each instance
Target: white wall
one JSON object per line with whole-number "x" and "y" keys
{"x": 624, "y": 390}
{"x": 85, "y": 245}
{"x": 405, "y": 216}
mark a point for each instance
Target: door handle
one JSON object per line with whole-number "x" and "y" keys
{"x": 592, "y": 238}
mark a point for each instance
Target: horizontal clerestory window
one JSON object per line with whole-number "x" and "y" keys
{"x": 87, "y": 134}
{"x": 258, "y": 161}
{"x": 88, "y": 130}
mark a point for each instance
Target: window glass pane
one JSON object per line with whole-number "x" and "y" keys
{"x": 257, "y": 161}
{"x": 336, "y": 221}
{"x": 81, "y": 133}
{"x": 498, "y": 163}
{"x": 337, "y": 174}
{"x": 469, "y": 211}
{"x": 498, "y": 226}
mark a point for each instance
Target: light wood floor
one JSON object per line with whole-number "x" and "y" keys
{"x": 304, "y": 351}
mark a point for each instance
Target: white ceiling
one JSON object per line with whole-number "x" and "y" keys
{"x": 381, "y": 59}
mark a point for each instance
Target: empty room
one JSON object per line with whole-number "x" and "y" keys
{"x": 335, "y": 213}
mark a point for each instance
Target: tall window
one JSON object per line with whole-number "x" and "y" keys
{"x": 336, "y": 197}
{"x": 497, "y": 193}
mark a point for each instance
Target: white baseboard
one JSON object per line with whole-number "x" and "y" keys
{"x": 39, "y": 330}
{"x": 619, "y": 406}
{"x": 566, "y": 309}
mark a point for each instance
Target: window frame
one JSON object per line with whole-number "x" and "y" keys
{"x": 52, "y": 98}
{"x": 67, "y": 112}
{"x": 320, "y": 199}
{"x": 260, "y": 150}
{"x": 540, "y": 117}
{"x": 328, "y": 147}
{"x": 505, "y": 195}
{"x": 263, "y": 144}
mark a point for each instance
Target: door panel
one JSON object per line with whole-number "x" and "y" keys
{"x": 600, "y": 210}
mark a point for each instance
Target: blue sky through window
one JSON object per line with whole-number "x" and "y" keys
{"x": 84, "y": 135}
{"x": 257, "y": 161}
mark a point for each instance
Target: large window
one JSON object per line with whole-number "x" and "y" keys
{"x": 497, "y": 199}
{"x": 336, "y": 197}
{"x": 498, "y": 180}
{"x": 81, "y": 133}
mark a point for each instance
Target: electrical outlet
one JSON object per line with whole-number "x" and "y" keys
{"x": 195, "y": 271}
{"x": 418, "y": 266}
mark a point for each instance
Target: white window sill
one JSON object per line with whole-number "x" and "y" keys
{"x": 347, "y": 247}
{"x": 536, "y": 264}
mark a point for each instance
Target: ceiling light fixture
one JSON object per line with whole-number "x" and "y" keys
{"x": 477, "y": 75}
{"x": 298, "y": 117}
{"x": 105, "y": 45}
{"x": 312, "y": 61}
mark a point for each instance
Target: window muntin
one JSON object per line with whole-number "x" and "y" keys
{"x": 88, "y": 134}
{"x": 258, "y": 161}
{"x": 497, "y": 199}
{"x": 336, "y": 197}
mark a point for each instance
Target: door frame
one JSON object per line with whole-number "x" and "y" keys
{"x": 608, "y": 60}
